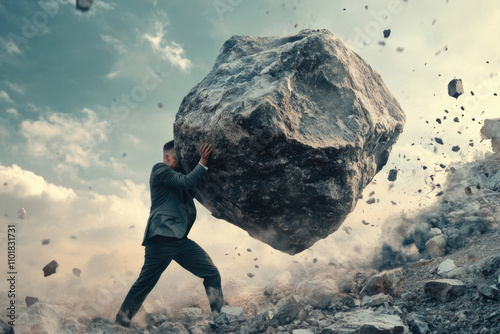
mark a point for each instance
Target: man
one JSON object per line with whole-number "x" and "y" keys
{"x": 171, "y": 217}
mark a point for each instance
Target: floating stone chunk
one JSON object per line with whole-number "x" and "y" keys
{"x": 84, "y": 5}
{"x": 438, "y": 140}
{"x": 393, "y": 175}
{"x": 50, "y": 268}
{"x": 77, "y": 272}
{"x": 45, "y": 241}
{"x": 455, "y": 88}
{"x": 21, "y": 214}
{"x": 30, "y": 301}
{"x": 387, "y": 33}
{"x": 455, "y": 148}
{"x": 300, "y": 125}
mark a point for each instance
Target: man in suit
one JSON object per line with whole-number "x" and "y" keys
{"x": 171, "y": 217}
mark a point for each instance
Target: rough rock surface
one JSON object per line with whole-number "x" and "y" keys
{"x": 491, "y": 130}
{"x": 40, "y": 318}
{"x": 366, "y": 321}
{"x": 300, "y": 125}
{"x": 444, "y": 289}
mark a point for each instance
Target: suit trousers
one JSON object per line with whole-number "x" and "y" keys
{"x": 160, "y": 251}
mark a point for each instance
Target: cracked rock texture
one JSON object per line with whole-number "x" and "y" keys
{"x": 300, "y": 125}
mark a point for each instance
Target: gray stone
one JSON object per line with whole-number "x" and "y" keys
{"x": 436, "y": 246}
{"x": 40, "y": 318}
{"x": 50, "y": 268}
{"x": 77, "y": 272}
{"x": 229, "y": 315}
{"x": 172, "y": 328}
{"x": 377, "y": 300}
{"x": 84, "y": 5}
{"x": 257, "y": 324}
{"x": 455, "y": 88}
{"x": 286, "y": 311}
{"x": 393, "y": 175}
{"x": 30, "y": 301}
{"x": 446, "y": 266}
{"x": 416, "y": 324}
{"x": 389, "y": 282}
{"x": 444, "y": 289}
{"x": 300, "y": 125}
{"x": 302, "y": 331}
{"x": 366, "y": 321}
{"x": 491, "y": 130}
{"x": 489, "y": 291}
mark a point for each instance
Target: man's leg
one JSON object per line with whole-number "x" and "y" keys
{"x": 193, "y": 258}
{"x": 156, "y": 260}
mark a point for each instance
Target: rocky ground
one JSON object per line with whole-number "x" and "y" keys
{"x": 441, "y": 276}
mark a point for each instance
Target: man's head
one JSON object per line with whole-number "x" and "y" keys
{"x": 169, "y": 155}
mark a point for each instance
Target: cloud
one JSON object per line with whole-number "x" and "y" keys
{"x": 21, "y": 184}
{"x": 64, "y": 136}
{"x": 4, "y": 133}
{"x": 5, "y": 97}
{"x": 111, "y": 75}
{"x": 115, "y": 43}
{"x": 9, "y": 46}
{"x": 172, "y": 52}
{"x": 12, "y": 111}
{"x": 15, "y": 87}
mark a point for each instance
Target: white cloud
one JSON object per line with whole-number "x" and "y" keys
{"x": 21, "y": 183}
{"x": 111, "y": 75}
{"x": 11, "y": 47}
{"x": 5, "y": 97}
{"x": 15, "y": 87}
{"x": 172, "y": 52}
{"x": 64, "y": 136}
{"x": 12, "y": 111}
{"x": 115, "y": 43}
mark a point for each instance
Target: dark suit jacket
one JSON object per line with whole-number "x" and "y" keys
{"x": 172, "y": 211}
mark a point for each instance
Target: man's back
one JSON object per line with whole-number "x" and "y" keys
{"x": 172, "y": 208}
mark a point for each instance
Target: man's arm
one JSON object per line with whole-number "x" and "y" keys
{"x": 168, "y": 176}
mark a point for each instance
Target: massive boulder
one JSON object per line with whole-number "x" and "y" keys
{"x": 300, "y": 125}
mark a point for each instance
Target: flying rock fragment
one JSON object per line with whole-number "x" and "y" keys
{"x": 50, "y": 268}
{"x": 387, "y": 33}
{"x": 30, "y": 301}
{"x": 77, "y": 272}
{"x": 393, "y": 175}
{"x": 455, "y": 88}
{"x": 21, "y": 214}
{"x": 84, "y": 5}
{"x": 455, "y": 148}
{"x": 45, "y": 241}
{"x": 250, "y": 275}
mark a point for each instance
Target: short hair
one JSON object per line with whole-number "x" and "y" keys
{"x": 168, "y": 146}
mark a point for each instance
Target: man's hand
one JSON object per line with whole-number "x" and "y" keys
{"x": 205, "y": 150}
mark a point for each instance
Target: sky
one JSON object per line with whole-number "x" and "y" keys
{"x": 87, "y": 100}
